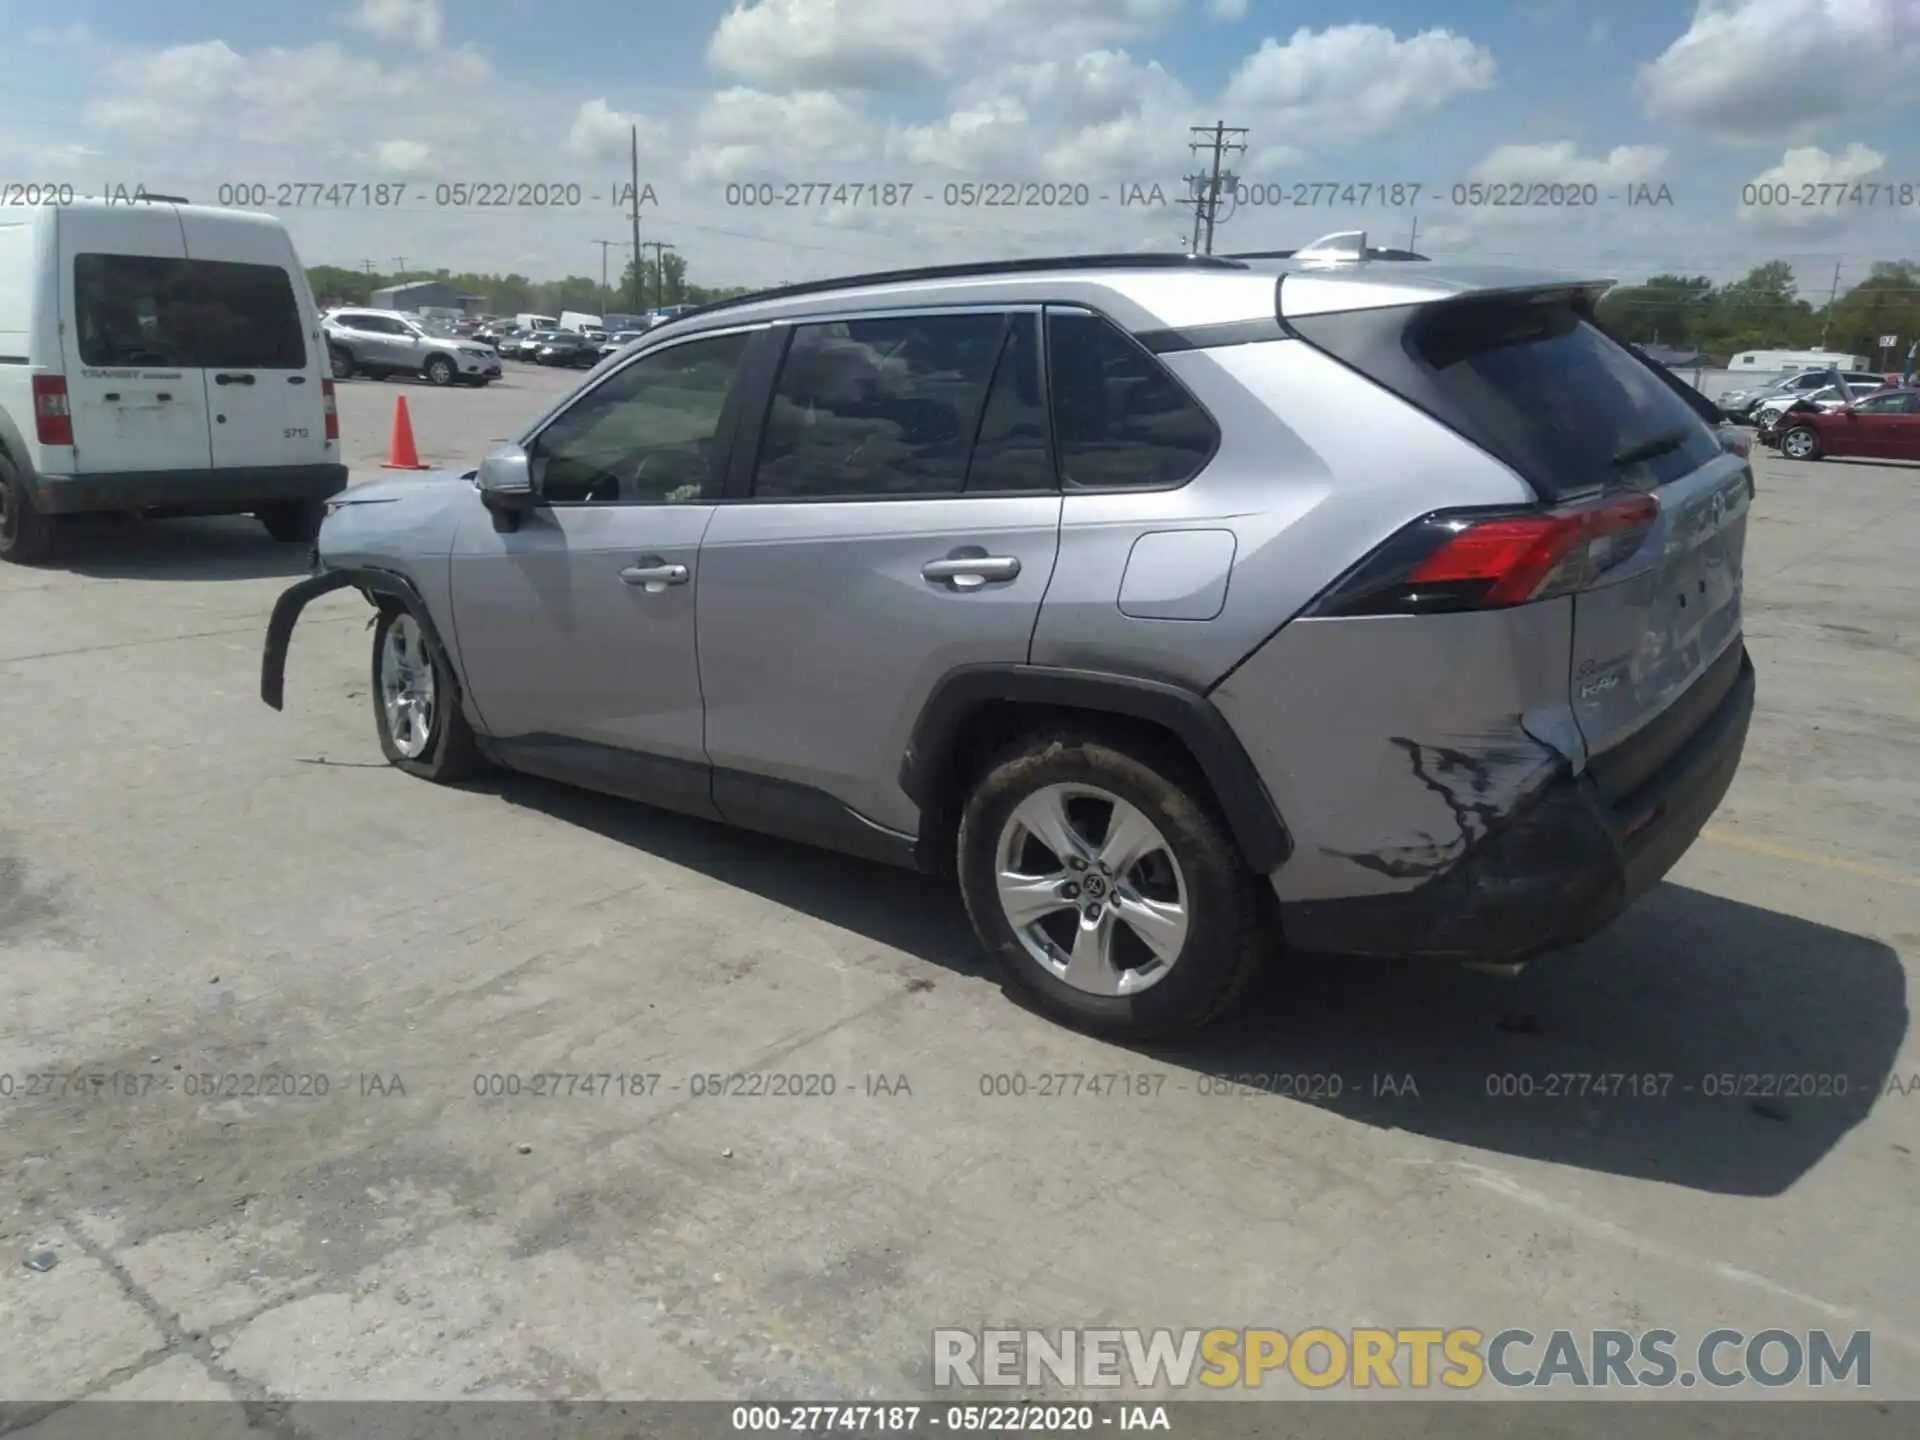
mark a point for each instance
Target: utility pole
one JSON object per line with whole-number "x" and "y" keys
{"x": 1416, "y": 233}
{"x": 401, "y": 273}
{"x": 659, "y": 269}
{"x": 605, "y": 245}
{"x": 634, "y": 211}
{"x": 1206, "y": 185}
{"x": 1832, "y": 296}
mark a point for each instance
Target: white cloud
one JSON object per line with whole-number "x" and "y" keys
{"x": 1102, "y": 117}
{"x": 745, "y": 134}
{"x": 418, "y": 23}
{"x": 1781, "y": 69}
{"x": 1227, "y": 11}
{"x": 600, "y": 132}
{"x": 1598, "y": 33}
{"x": 899, "y": 44}
{"x": 1354, "y": 81}
{"x": 1561, "y": 163}
{"x": 1799, "y": 177}
{"x": 401, "y": 157}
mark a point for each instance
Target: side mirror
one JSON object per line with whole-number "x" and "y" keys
{"x": 505, "y": 482}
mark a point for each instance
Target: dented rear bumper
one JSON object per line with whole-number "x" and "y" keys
{"x": 1552, "y": 870}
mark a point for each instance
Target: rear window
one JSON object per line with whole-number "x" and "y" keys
{"x": 1534, "y": 383}
{"x": 247, "y": 317}
{"x": 133, "y": 311}
{"x": 148, "y": 311}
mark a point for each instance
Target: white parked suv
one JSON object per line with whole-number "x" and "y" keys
{"x": 378, "y": 343}
{"x": 160, "y": 358}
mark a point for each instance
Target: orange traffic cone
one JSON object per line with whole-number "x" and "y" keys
{"x": 400, "y": 453}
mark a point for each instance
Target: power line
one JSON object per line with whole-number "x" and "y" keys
{"x": 1206, "y": 184}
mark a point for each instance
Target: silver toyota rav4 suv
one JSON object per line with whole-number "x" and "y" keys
{"x": 1178, "y": 606}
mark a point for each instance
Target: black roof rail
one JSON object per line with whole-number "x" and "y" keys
{"x": 1153, "y": 260}
{"x": 1371, "y": 254}
{"x": 161, "y": 199}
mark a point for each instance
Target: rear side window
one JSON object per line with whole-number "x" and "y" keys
{"x": 132, "y": 310}
{"x": 149, "y": 311}
{"x": 881, "y": 407}
{"x": 1532, "y": 382}
{"x": 1120, "y": 419}
{"x": 1011, "y": 451}
{"x": 247, "y": 317}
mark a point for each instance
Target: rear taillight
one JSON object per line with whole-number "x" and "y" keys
{"x": 1466, "y": 561}
{"x": 52, "y": 419}
{"x": 331, "y": 409}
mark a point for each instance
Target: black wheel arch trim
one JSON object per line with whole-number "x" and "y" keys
{"x": 1250, "y": 812}
{"x": 371, "y": 581}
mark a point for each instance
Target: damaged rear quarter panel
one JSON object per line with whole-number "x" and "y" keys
{"x": 1391, "y": 744}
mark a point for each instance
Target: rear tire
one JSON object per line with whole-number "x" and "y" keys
{"x": 1802, "y": 442}
{"x": 292, "y": 522}
{"x": 340, "y": 362}
{"x": 27, "y": 537}
{"x": 416, "y": 704}
{"x": 1142, "y": 940}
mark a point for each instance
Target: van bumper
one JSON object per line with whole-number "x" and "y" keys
{"x": 186, "y": 492}
{"x": 1555, "y": 872}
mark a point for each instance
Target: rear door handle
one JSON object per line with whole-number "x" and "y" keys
{"x": 233, "y": 379}
{"x": 970, "y": 572}
{"x": 655, "y": 578}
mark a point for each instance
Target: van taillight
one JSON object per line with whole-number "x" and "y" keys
{"x": 52, "y": 419}
{"x": 330, "y": 407}
{"x": 1465, "y": 561}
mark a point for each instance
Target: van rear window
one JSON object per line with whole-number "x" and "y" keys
{"x": 148, "y": 311}
{"x": 1532, "y": 382}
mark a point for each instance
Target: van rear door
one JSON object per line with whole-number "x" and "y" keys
{"x": 126, "y": 320}
{"x": 259, "y": 339}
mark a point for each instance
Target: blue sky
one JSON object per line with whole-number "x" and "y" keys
{"x": 198, "y": 96}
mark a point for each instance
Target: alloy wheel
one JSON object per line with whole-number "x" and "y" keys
{"x": 407, "y": 691}
{"x": 1091, "y": 889}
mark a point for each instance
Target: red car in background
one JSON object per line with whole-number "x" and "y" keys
{"x": 1882, "y": 426}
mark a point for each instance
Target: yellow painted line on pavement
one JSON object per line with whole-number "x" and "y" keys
{"x": 1823, "y": 862}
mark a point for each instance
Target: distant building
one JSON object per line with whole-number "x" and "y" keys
{"x": 426, "y": 295}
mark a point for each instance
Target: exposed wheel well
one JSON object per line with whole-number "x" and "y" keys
{"x": 990, "y": 728}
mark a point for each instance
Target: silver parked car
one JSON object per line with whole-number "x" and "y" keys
{"x": 378, "y": 343}
{"x": 1174, "y": 604}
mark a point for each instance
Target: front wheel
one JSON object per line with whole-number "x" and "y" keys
{"x": 1099, "y": 876}
{"x": 416, "y": 705}
{"x": 1800, "y": 443}
{"x": 441, "y": 371}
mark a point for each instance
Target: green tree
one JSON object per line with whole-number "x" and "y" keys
{"x": 1887, "y": 302}
{"x": 1667, "y": 310}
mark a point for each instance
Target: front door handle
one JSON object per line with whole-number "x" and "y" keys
{"x": 655, "y": 578}
{"x": 970, "y": 572}
{"x": 233, "y": 379}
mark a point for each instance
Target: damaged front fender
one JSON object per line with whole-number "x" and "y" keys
{"x": 286, "y": 614}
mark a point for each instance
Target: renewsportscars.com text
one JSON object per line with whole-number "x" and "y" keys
{"x": 1460, "y": 1358}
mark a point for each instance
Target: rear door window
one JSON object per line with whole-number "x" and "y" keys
{"x": 247, "y": 317}
{"x": 1120, "y": 419}
{"x": 133, "y": 310}
{"x": 878, "y": 408}
{"x": 1533, "y": 382}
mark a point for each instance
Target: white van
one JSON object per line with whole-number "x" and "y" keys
{"x": 535, "y": 322}
{"x": 1789, "y": 361}
{"x": 580, "y": 322}
{"x": 159, "y": 358}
